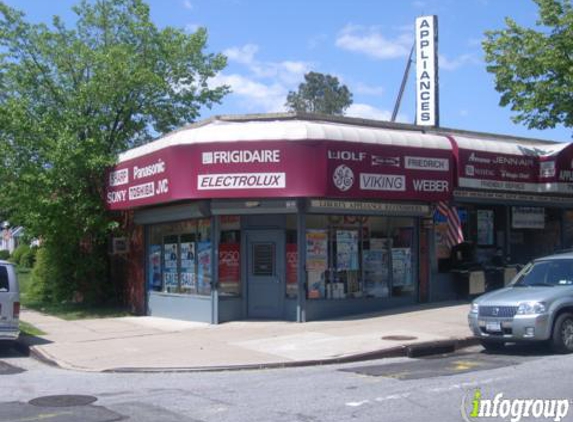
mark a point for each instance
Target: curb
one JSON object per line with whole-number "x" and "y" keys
{"x": 412, "y": 351}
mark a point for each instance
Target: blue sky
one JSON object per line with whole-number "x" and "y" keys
{"x": 271, "y": 44}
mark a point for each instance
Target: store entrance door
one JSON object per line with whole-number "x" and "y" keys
{"x": 265, "y": 273}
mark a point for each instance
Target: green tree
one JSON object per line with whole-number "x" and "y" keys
{"x": 320, "y": 93}
{"x": 71, "y": 99}
{"x": 532, "y": 67}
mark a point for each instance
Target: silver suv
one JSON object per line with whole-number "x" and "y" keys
{"x": 536, "y": 306}
{"x": 9, "y": 302}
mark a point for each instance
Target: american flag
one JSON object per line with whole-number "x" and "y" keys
{"x": 454, "y": 235}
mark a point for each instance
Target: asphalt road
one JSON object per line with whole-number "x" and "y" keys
{"x": 437, "y": 388}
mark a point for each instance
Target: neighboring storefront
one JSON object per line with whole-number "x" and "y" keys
{"x": 513, "y": 197}
{"x": 307, "y": 217}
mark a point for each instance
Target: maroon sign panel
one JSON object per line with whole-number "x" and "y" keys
{"x": 556, "y": 171}
{"x": 281, "y": 169}
{"x": 390, "y": 172}
{"x": 497, "y": 171}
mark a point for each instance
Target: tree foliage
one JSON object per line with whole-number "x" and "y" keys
{"x": 71, "y": 99}
{"x": 320, "y": 93}
{"x": 533, "y": 67}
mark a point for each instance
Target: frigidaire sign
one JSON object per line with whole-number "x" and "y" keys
{"x": 427, "y": 112}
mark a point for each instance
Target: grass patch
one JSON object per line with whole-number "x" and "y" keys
{"x": 29, "y": 329}
{"x": 67, "y": 311}
{"x": 73, "y": 311}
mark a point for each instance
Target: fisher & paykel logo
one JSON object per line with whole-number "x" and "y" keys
{"x": 475, "y": 407}
{"x": 343, "y": 177}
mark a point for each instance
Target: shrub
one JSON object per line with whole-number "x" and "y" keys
{"x": 28, "y": 258}
{"x": 4, "y": 255}
{"x": 18, "y": 252}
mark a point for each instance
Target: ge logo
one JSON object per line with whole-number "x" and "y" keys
{"x": 343, "y": 177}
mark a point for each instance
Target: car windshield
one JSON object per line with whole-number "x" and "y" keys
{"x": 558, "y": 272}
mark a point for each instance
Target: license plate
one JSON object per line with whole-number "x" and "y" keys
{"x": 493, "y": 326}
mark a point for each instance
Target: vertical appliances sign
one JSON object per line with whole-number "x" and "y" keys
{"x": 427, "y": 111}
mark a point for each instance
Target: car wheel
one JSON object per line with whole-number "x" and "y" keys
{"x": 562, "y": 338}
{"x": 492, "y": 346}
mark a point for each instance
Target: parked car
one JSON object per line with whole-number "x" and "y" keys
{"x": 9, "y": 302}
{"x": 536, "y": 306}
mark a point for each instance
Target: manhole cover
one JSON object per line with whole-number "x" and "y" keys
{"x": 399, "y": 338}
{"x": 62, "y": 401}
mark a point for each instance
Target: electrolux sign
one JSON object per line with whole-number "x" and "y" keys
{"x": 427, "y": 110}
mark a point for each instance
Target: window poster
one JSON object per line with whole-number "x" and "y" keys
{"x": 155, "y": 267}
{"x": 316, "y": 250}
{"x": 188, "y": 266}
{"x": 291, "y": 269}
{"x": 230, "y": 267}
{"x": 346, "y": 250}
{"x": 170, "y": 257}
{"x": 402, "y": 267}
{"x": 203, "y": 267}
{"x": 376, "y": 264}
{"x": 485, "y": 227}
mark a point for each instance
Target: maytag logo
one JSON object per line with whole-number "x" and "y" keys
{"x": 379, "y": 160}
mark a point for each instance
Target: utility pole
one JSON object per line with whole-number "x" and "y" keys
{"x": 403, "y": 85}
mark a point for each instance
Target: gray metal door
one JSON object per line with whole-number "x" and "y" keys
{"x": 265, "y": 273}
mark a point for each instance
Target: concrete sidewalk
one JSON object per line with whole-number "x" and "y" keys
{"x": 158, "y": 344}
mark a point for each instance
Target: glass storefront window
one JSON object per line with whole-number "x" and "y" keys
{"x": 359, "y": 256}
{"x": 230, "y": 256}
{"x": 179, "y": 257}
{"x": 291, "y": 257}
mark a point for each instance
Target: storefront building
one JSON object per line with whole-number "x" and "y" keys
{"x": 300, "y": 217}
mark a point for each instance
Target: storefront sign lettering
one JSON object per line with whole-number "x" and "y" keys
{"x": 119, "y": 177}
{"x": 346, "y": 155}
{"x": 431, "y": 185}
{"x": 426, "y": 163}
{"x": 241, "y": 181}
{"x": 395, "y": 208}
{"x": 426, "y": 71}
{"x": 144, "y": 190}
{"x": 382, "y": 182}
{"x": 343, "y": 178}
{"x": 150, "y": 170}
{"x": 241, "y": 156}
{"x": 378, "y": 160}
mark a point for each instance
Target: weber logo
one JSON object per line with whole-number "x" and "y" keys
{"x": 378, "y": 160}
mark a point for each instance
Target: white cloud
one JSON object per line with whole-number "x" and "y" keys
{"x": 243, "y": 55}
{"x": 254, "y": 95}
{"x": 453, "y": 64}
{"x": 364, "y": 89}
{"x": 187, "y": 5}
{"x": 371, "y": 42}
{"x": 366, "y": 111}
{"x": 288, "y": 72}
{"x": 192, "y": 27}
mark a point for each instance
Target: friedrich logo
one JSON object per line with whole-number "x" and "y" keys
{"x": 475, "y": 407}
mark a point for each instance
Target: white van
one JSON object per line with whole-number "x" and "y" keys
{"x": 9, "y": 302}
